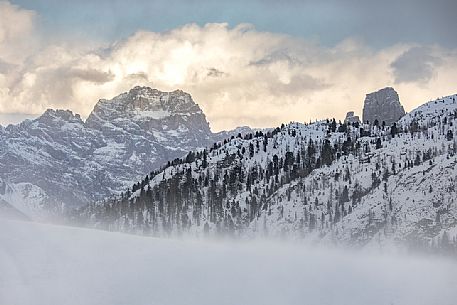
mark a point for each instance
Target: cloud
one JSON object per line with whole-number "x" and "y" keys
{"x": 213, "y": 72}
{"x": 91, "y": 75}
{"x": 415, "y": 65}
{"x": 17, "y": 39}
{"x": 5, "y": 67}
{"x": 141, "y": 76}
{"x": 57, "y": 83}
{"x": 238, "y": 75}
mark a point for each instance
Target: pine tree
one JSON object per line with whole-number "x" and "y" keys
{"x": 378, "y": 143}
{"x": 327, "y": 153}
{"x": 449, "y": 135}
{"x": 205, "y": 159}
{"x": 393, "y": 130}
{"x": 344, "y": 195}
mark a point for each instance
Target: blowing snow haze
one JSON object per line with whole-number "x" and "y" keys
{"x": 196, "y": 155}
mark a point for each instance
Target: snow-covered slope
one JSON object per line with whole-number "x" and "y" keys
{"x": 58, "y": 160}
{"x": 44, "y": 264}
{"x": 325, "y": 181}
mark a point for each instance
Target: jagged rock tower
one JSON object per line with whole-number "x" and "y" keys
{"x": 351, "y": 118}
{"x": 383, "y": 105}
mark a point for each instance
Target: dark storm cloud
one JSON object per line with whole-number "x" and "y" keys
{"x": 391, "y": 21}
{"x": 415, "y": 65}
{"x": 379, "y": 23}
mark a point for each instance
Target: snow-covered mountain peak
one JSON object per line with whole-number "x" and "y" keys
{"x": 59, "y": 114}
{"x": 160, "y": 115}
{"x": 146, "y": 106}
{"x": 174, "y": 102}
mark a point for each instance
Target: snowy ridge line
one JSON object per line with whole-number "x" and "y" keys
{"x": 329, "y": 182}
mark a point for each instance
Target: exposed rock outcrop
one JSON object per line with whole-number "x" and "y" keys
{"x": 351, "y": 118}
{"x": 383, "y": 105}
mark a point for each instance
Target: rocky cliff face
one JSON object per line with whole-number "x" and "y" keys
{"x": 383, "y": 105}
{"x": 172, "y": 119}
{"x": 351, "y": 118}
{"x": 59, "y": 160}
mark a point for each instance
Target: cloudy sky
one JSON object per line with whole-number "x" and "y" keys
{"x": 255, "y": 63}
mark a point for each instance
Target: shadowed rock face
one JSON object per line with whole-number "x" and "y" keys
{"x": 351, "y": 118}
{"x": 58, "y": 159}
{"x": 383, "y": 105}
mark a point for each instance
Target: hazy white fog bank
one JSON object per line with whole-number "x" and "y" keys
{"x": 44, "y": 264}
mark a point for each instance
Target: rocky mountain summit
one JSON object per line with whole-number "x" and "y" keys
{"x": 383, "y": 105}
{"x": 58, "y": 160}
{"x": 172, "y": 119}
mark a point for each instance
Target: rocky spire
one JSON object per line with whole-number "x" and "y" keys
{"x": 383, "y": 105}
{"x": 351, "y": 118}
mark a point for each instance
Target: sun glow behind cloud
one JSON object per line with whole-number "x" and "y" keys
{"x": 238, "y": 75}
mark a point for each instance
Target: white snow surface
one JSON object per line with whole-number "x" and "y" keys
{"x": 27, "y": 198}
{"x": 45, "y": 264}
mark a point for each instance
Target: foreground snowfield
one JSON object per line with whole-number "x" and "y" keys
{"x": 45, "y": 264}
